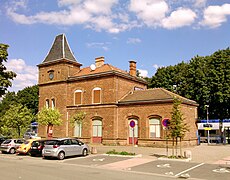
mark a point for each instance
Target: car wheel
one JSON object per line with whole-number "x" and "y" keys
{"x": 84, "y": 152}
{"x": 61, "y": 155}
{"x": 12, "y": 151}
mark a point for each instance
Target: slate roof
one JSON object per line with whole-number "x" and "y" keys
{"x": 153, "y": 95}
{"x": 60, "y": 50}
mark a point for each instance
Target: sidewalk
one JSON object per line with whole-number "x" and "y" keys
{"x": 204, "y": 153}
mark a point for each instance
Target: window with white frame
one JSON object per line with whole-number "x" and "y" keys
{"x": 53, "y": 103}
{"x": 97, "y": 95}
{"x": 77, "y": 129}
{"x": 47, "y": 103}
{"x": 154, "y": 128}
{"x": 78, "y": 97}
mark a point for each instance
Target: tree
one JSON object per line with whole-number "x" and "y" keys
{"x": 29, "y": 98}
{"x": 49, "y": 116}
{"x": 177, "y": 127}
{"x": 78, "y": 118}
{"x": 5, "y": 76}
{"x": 205, "y": 80}
{"x": 17, "y": 119}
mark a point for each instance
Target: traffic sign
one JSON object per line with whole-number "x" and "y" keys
{"x": 165, "y": 122}
{"x": 132, "y": 123}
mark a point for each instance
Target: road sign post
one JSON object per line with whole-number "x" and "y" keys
{"x": 132, "y": 125}
{"x": 165, "y": 123}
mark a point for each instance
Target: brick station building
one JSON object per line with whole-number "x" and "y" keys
{"x": 110, "y": 97}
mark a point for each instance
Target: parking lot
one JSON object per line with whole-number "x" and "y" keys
{"x": 214, "y": 164}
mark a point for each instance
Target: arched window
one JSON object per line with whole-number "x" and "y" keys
{"x": 78, "y": 97}
{"x": 47, "y": 103}
{"x": 53, "y": 105}
{"x": 97, "y": 95}
{"x": 97, "y": 130}
{"x": 154, "y": 128}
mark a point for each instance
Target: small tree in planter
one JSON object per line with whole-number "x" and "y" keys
{"x": 177, "y": 127}
{"x": 49, "y": 117}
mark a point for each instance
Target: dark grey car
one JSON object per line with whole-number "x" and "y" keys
{"x": 64, "y": 147}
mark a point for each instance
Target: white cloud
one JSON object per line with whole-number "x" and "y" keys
{"x": 100, "y": 45}
{"x": 133, "y": 41}
{"x": 156, "y": 66}
{"x": 215, "y": 16}
{"x": 143, "y": 73}
{"x": 179, "y": 18}
{"x": 151, "y": 12}
{"x": 26, "y": 75}
{"x": 114, "y": 16}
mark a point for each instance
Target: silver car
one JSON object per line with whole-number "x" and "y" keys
{"x": 64, "y": 147}
{"x": 10, "y": 145}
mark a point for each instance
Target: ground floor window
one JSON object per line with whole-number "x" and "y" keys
{"x": 77, "y": 129}
{"x": 154, "y": 128}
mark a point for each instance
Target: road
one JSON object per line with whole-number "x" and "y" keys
{"x": 98, "y": 167}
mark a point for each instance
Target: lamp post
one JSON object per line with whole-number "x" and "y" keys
{"x": 207, "y": 106}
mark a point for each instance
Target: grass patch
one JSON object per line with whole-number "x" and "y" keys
{"x": 125, "y": 153}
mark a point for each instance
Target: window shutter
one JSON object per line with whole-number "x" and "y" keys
{"x": 97, "y": 96}
{"x": 77, "y": 97}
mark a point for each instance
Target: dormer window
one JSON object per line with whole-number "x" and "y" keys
{"x": 78, "y": 97}
{"x": 97, "y": 95}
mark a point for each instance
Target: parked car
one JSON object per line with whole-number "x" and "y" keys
{"x": 64, "y": 147}
{"x": 29, "y": 135}
{"x": 37, "y": 147}
{"x": 25, "y": 147}
{"x": 10, "y": 145}
{"x": 3, "y": 138}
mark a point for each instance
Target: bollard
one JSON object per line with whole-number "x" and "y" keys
{"x": 93, "y": 150}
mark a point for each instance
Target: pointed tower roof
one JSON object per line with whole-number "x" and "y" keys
{"x": 60, "y": 50}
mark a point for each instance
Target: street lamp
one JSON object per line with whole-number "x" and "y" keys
{"x": 207, "y": 106}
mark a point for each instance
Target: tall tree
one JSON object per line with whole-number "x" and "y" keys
{"x": 5, "y": 76}
{"x": 29, "y": 98}
{"x": 17, "y": 119}
{"x": 205, "y": 80}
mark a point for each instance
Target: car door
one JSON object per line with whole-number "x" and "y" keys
{"x": 18, "y": 142}
{"x": 76, "y": 148}
{"x": 67, "y": 147}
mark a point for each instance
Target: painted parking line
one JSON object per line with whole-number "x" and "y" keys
{"x": 189, "y": 169}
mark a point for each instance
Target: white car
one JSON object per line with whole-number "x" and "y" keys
{"x": 29, "y": 135}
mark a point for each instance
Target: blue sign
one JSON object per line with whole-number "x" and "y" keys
{"x": 165, "y": 122}
{"x": 132, "y": 124}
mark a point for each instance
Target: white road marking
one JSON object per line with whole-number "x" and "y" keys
{"x": 190, "y": 169}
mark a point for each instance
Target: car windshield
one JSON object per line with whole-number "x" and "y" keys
{"x": 7, "y": 141}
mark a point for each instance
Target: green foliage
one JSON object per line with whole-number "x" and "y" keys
{"x": 5, "y": 76}
{"x": 78, "y": 118}
{"x": 16, "y": 120}
{"x": 49, "y": 116}
{"x": 125, "y": 153}
{"x": 177, "y": 127}
{"x": 205, "y": 80}
{"x": 29, "y": 98}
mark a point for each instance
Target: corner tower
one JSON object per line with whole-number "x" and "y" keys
{"x": 58, "y": 65}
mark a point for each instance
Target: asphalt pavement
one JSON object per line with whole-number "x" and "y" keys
{"x": 204, "y": 153}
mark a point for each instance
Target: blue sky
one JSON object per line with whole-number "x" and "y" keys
{"x": 154, "y": 33}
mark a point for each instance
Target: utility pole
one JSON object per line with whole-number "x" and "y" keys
{"x": 207, "y": 106}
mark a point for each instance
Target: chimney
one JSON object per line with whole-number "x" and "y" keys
{"x": 132, "y": 68}
{"x": 99, "y": 61}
